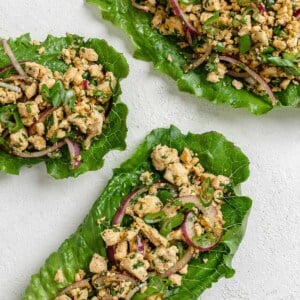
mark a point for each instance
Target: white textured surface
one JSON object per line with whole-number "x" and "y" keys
{"x": 37, "y": 213}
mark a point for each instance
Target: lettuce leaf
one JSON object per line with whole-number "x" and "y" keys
{"x": 217, "y": 155}
{"x": 150, "y": 45}
{"x": 114, "y": 134}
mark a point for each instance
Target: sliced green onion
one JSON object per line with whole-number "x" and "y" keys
{"x": 169, "y": 224}
{"x": 10, "y": 117}
{"x": 164, "y": 195}
{"x": 245, "y": 43}
{"x": 204, "y": 240}
{"x": 206, "y": 198}
{"x": 207, "y": 194}
{"x": 154, "y": 217}
{"x": 188, "y": 2}
{"x": 57, "y": 95}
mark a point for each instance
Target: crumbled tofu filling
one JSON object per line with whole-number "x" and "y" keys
{"x": 49, "y": 106}
{"x": 153, "y": 243}
{"x": 263, "y": 35}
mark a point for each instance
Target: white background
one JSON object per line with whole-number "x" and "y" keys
{"x": 37, "y": 212}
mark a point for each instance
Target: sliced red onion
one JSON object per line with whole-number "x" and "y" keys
{"x": 11, "y": 66}
{"x": 187, "y": 229}
{"x": 238, "y": 74}
{"x": 140, "y": 245}
{"x": 41, "y": 153}
{"x": 187, "y": 256}
{"x": 111, "y": 250}
{"x": 260, "y": 6}
{"x": 41, "y": 118}
{"x": 121, "y": 210}
{"x": 253, "y": 74}
{"x": 198, "y": 61}
{"x": 118, "y": 277}
{"x": 77, "y": 285}
{"x": 126, "y": 202}
{"x": 192, "y": 199}
{"x": 178, "y": 12}
{"x": 296, "y": 13}
{"x": 209, "y": 211}
{"x": 85, "y": 84}
{"x": 74, "y": 151}
{"x": 140, "y": 7}
{"x": 10, "y": 87}
{"x": 12, "y": 58}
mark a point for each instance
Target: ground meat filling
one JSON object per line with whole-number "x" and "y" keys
{"x": 263, "y": 35}
{"x": 153, "y": 243}
{"x": 43, "y": 108}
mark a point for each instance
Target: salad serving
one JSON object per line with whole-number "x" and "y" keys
{"x": 166, "y": 225}
{"x": 59, "y": 95}
{"x": 221, "y": 50}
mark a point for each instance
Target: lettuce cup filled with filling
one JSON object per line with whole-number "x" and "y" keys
{"x": 243, "y": 53}
{"x": 166, "y": 225}
{"x": 59, "y": 103}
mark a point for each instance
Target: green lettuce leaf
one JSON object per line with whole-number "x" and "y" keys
{"x": 114, "y": 134}
{"x": 217, "y": 155}
{"x": 150, "y": 45}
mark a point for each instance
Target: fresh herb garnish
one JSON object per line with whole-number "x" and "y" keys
{"x": 169, "y": 224}
{"x": 245, "y": 43}
{"x": 9, "y": 116}
{"x": 154, "y": 217}
{"x": 57, "y": 95}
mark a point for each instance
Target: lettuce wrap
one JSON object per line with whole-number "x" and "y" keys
{"x": 218, "y": 156}
{"x": 152, "y": 46}
{"x": 47, "y": 54}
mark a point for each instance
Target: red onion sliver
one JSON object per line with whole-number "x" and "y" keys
{"x": 12, "y": 58}
{"x": 188, "y": 233}
{"x": 10, "y": 87}
{"x": 260, "y": 6}
{"x": 140, "y": 245}
{"x": 111, "y": 250}
{"x": 253, "y": 74}
{"x": 74, "y": 150}
{"x": 11, "y": 66}
{"x": 187, "y": 228}
{"x": 238, "y": 74}
{"x": 178, "y": 12}
{"x": 41, "y": 153}
{"x": 41, "y": 118}
{"x": 121, "y": 277}
{"x": 121, "y": 211}
{"x": 85, "y": 84}
{"x": 210, "y": 211}
{"x": 192, "y": 199}
{"x": 140, "y": 7}
{"x": 198, "y": 61}
{"x": 79, "y": 284}
{"x": 296, "y": 13}
{"x": 117, "y": 277}
{"x": 180, "y": 264}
